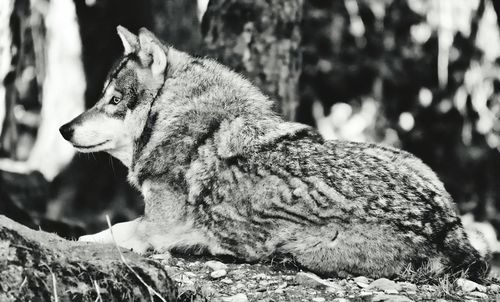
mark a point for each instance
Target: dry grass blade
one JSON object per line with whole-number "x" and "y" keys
{"x": 97, "y": 290}
{"x": 151, "y": 290}
{"x": 54, "y": 283}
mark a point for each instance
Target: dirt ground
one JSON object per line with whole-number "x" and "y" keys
{"x": 210, "y": 279}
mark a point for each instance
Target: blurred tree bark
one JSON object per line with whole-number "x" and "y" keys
{"x": 261, "y": 40}
{"x": 22, "y": 38}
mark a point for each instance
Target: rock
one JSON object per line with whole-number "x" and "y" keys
{"x": 469, "y": 286}
{"x": 227, "y": 281}
{"x": 279, "y": 291}
{"x": 162, "y": 257}
{"x": 235, "y": 298}
{"x": 190, "y": 274}
{"x": 283, "y": 285}
{"x": 494, "y": 288}
{"x": 365, "y": 294}
{"x": 340, "y": 300}
{"x": 218, "y": 274}
{"x": 391, "y": 292}
{"x": 361, "y": 279}
{"x": 215, "y": 265}
{"x": 384, "y": 284}
{"x": 311, "y": 280}
{"x": 362, "y": 285}
{"x": 479, "y": 295}
{"x": 391, "y": 298}
{"x": 318, "y": 299}
{"x": 408, "y": 287}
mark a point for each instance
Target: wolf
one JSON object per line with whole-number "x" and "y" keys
{"x": 222, "y": 173}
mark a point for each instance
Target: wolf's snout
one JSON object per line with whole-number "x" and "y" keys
{"x": 66, "y": 131}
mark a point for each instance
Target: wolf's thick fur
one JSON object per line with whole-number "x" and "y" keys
{"x": 220, "y": 171}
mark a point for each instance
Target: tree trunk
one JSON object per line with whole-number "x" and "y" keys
{"x": 261, "y": 40}
{"x": 35, "y": 265}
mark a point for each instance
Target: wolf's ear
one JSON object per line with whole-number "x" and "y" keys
{"x": 129, "y": 40}
{"x": 152, "y": 53}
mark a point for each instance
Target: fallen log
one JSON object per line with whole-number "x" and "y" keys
{"x": 40, "y": 266}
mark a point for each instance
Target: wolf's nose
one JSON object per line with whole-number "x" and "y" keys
{"x": 66, "y": 131}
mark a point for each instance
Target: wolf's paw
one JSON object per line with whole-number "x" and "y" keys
{"x": 134, "y": 244}
{"x": 124, "y": 234}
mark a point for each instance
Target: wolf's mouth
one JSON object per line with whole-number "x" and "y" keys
{"x": 91, "y": 146}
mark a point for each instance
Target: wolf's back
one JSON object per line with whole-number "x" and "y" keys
{"x": 348, "y": 184}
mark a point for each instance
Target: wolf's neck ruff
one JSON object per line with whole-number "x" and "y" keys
{"x": 144, "y": 137}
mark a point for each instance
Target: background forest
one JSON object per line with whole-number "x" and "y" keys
{"x": 422, "y": 75}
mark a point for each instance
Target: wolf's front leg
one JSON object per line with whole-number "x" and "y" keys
{"x": 126, "y": 234}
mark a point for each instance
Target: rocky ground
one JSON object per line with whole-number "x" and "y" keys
{"x": 207, "y": 279}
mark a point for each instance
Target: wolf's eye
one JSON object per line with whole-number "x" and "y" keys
{"x": 115, "y": 100}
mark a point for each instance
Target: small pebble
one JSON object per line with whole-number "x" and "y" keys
{"x": 362, "y": 285}
{"x": 407, "y": 286}
{"x": 215, "y": 265}
{"x": 227, "y": 281}
{"x": 218, "y": 274}
{"x": 236, "y": 298}
{"x": 190, "y": 274}
{"x": 469, "y": 286}
{"x": 361, "y": 279}
{"x": 283, "y": 285}
{"x": 494, "y": 288}
{"x": 340, "y": 300}
{"x": 318, "y": 299}
{"x": 311, "y": 280}
{"x": 391, "y": 298}
{"x": 365, "y": 294}
{"x": 384, "y": 284}
{"x": 164, "y": 257}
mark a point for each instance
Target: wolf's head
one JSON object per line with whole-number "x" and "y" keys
{"x": 160, "y": 98}
{"x": 135, "y": 80}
